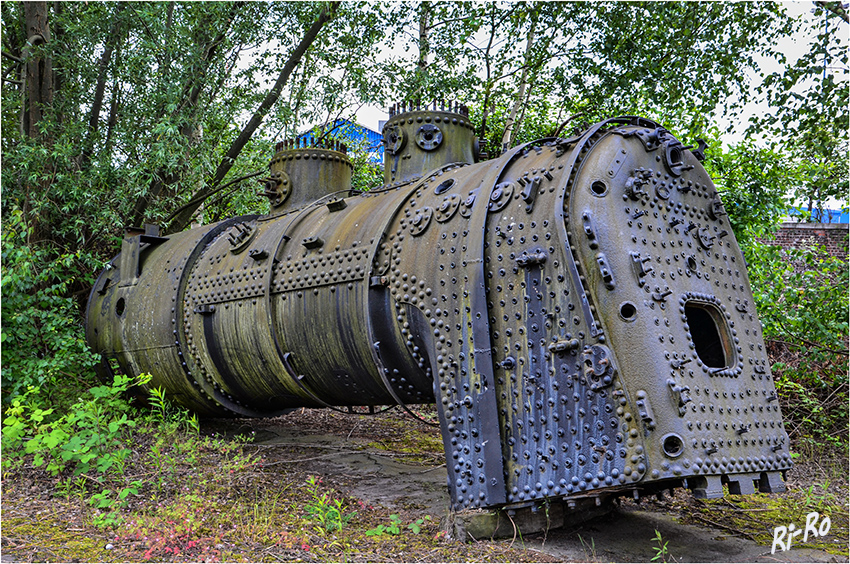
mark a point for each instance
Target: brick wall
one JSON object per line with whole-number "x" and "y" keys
{"x": 832, "y": 236}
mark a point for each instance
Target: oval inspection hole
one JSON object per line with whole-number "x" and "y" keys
{"x": 119, "y": 307}
{"x": 675, "y": 156}
{"x": 628, "y": 311}
{"x": 599, "y": 188}
{"x": 692, "y": 263}
{"x": 444, "y": 186}
{"x": 672, "y": 445}
{"x": 709, "y": 334}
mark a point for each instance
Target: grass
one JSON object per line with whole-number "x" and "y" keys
{"x": 206, "y": 499}
{"x": 816, "y": 484}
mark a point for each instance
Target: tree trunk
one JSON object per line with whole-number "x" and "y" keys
{"x": 424, "y": 40}
{"x": 299, "y": 96}
{"x": 508, "y": 136}
{"x": 488, "y": 84}
{"x": 103, "y": 64}
{"x": 57, "y": 34}
{"x": 113, "y": 118}
{"x": 38, "y": 79}
{"x": 185, "y": 216}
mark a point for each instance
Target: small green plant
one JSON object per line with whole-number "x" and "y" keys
{"x": 163, "y": 412}
{"x": 396, "y": 526}
{"x": 818, "y": 501}
{"x": 591, "y": 548}
{"x": 417, "y": 525}
{"x": 71, "y": 486}
{"x": 110, "y": 501}
{"x": 327, "y": 511}
{"x": 661, "y": 552}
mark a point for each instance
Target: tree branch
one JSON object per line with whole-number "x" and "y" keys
{"x": 103, "y": 64}
{"x": 185, "y": 216}
{"x": 189, "y": 98}
{"x": 804, "y": 341}
{"x": 220, "y": 188}
{"x": 11, "y": 56}
{"x": 835, "y": 8}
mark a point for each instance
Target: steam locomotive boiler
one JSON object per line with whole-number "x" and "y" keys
{"x": 578, "y": 309}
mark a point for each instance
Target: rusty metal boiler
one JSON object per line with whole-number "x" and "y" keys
{"x": 578, "y": 308}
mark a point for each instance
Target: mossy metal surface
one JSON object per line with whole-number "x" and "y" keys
{"x": 578, "y": 309}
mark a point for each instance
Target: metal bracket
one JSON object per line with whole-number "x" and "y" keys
{"x": 258, "y": 254}
{"x": 640, "y": 268}
{"x": 312, "y": 242}
{"x": 132, "y": 247}
{"x": 680, "y": 395}
{"x": 530, "y": 257}
{"x": 563, "y": 345}
{"x": 605, "y": 271}
{"x": 336, "y": 205}
{"x": 598, "y": 366}
{"x": 645, "y": 410}
{"x": 587, "y": 226}
{"x": 529, "y": 192}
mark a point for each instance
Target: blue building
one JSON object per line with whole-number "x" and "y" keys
{"x": 358, "y": 138}
{"x": 819, "y": 215}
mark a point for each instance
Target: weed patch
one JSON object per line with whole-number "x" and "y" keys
{"x": 327, "y": 512}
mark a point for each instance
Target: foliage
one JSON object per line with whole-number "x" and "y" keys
{"x": 146, "y": 98}
{"x": 396, "y": 526}
{"x": 95, "y": 440}
{"x": 592, "y": 58}
{"x": 537, "y": 124}
{"x": 662, "y": 553}
{"x": 811, "y": 112}
{"x": 803, "y": 294}
{"x": 41, "y": 335}
{"x": 366, "y": 174}
{"x": 92, "y": 436}
{"x": 328, "y": 512}
{"x": 753, "y": 183}
{"x": 802, "y": 301}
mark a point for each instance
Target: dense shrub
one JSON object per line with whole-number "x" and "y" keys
{"x": 42, "y": 334}
{"x": 802, "y": 300}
